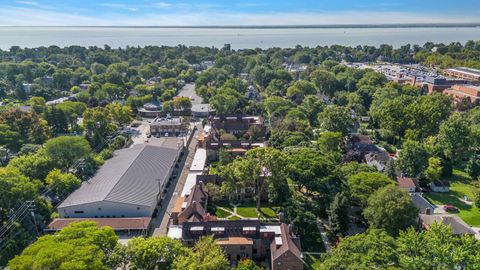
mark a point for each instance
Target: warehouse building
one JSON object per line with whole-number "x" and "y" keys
{"x": 128, "y": 185}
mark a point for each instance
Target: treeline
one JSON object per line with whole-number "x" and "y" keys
{"x": 85, "y": 246}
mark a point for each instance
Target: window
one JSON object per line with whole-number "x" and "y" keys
{"x": 78, "y": 212}
{"x": 99, "y": 209}
{"x": 138, "y": 208}
{"x": 242, "y": 247}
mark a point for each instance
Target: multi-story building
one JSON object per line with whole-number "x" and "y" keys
{"x": 469, "y": 74}
{"x": 461, "y": 92}
{"x": 162, "y": 126}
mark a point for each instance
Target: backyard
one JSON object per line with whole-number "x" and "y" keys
{"x": 245, "y": 210}
{"x": 460, "y": 187}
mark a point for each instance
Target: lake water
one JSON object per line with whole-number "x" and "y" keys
{"x": 239, "y": 38}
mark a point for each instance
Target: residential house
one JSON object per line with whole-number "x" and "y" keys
{"x": 408, "y": 184}
{"x": 440, "y": 186}
{"x": 459, "y": 227}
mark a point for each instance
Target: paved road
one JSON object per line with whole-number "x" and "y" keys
{"x": 189, "y": 91}
{"x": 160, "y": 224}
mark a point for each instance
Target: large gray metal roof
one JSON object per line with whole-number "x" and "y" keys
{"x": 130, "y": 177}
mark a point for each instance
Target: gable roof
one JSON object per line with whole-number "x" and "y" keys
{"x": 193, "y": 213}
{"x": 287, "y": 245}
{"x": 130, "y": 177}
{"x": 459, "y": 227}
{"x": 407, "y": 182}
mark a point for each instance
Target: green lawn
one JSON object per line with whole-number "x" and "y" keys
{"x": 249, "y": 210}
{"x": 221, "y": 213}
{"x": 225, "y": 205}
{"x": 234, "y": 218}
{"x": 459, "y": 188}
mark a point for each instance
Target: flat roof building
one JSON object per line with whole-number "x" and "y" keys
{"x": 463, "y": 73}
{"x": 461, "y": 92}
{"x": 128, "y": 185}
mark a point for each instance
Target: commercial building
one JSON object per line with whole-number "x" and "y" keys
{"x": 438, "y": 84}
{"x": 469, "y": 74}
{"x": 128, "y": 185}
{"x": 461, "y": 92}
{"x": 161, "y": 126}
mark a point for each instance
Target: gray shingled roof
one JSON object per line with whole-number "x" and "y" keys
{"x": 129, "y": 177}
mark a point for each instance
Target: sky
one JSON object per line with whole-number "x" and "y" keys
{"x": 233, "y": 12}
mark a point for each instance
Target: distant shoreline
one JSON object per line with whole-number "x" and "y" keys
{"x": 330, "y": 26}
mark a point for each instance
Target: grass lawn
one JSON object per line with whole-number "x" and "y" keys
{"x": 225, "y": 205}
{"x": 459, "y": 188}
{"x": 221, "y": 213}
{"x": 234, "y": 218}
{"x": 249, "y": 210}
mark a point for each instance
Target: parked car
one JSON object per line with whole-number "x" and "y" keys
{"x": 450, "y": 209}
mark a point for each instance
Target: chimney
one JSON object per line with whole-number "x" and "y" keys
{"x": 290, "y": 229}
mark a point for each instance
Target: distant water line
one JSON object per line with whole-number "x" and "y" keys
{"x": 239, "y": 38}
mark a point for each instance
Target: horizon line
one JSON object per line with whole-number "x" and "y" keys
{"x": 380, "y": 25}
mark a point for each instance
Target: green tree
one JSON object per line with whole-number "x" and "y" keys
{"x": 78, "y": 246}
{"x": 62, "y": 184}
{"x": 426, "y": 114}
{"x": 391, "y": 209}
{"x": 336, "y": 119}
{"x": 372, "y": 250}
{"x": 364, "y": 184}
{"x": 14, "y": 187}
{"x": 310, "y": 170}
{"x": 38, "y": 104}
{"x": 224, "y": 104}
{"x": 65, "y": 150}
{"x": 338, "y": 214}
{"x": 325, "y": 81}
{"x": 437, "y": 248}
{"x": 413, "y": 158}
{"x": 206, "y": 255}
{"x": 30, "y": 127}
{"x": 154, "y": 252}
{"x": 8, "y": 137}
{"x": 98, "y": 124}
{"x": 434, "y": 169}
{"x": 299, "y": 90}
{"x": 247, "y": 264}
{"x": 122, "y": 115}
{"x": 454, "y": 139}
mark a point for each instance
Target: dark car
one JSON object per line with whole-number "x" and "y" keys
{"x": 450, "y": 209}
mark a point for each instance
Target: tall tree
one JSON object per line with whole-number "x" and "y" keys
{"x": 336, "y": 119}
{"x": 372, "y": 250}
{"x": 338, "y": 214}
{"x": 413, "y": 158}
{"x": 390, "y": 209}
{"x": 364, "y": 184}
{"x": 206, "y": 255}
{"x": 78, "y": 246}
{"x": 65, "y": 150}
{"x": 154, "y": 252}
{"x": 454, "y": 139}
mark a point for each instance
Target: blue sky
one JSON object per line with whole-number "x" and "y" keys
{"x": 233, "y": 12}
